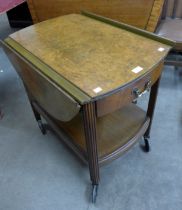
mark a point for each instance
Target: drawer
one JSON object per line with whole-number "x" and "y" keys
{"x": 128, "y": 93}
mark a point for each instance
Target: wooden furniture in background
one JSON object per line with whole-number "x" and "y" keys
{"x": 20, "y": 17}
{"x": 171, "y": 27}
{"x": 75, "y": 78}
{"x": 140, "y": 13}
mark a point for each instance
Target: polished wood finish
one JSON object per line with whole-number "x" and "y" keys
{"x": 90, "y": 137}
{"x": 155, "y": 15}
{"x": 46, "y": 70}
{"x": 151, "y": 106}
{"x": 60, "y": 73}
{"x": 113, "y": 130}
{"x": 140, "y": 13}
{"x": 126, "y": 94}
{"x": 116, "y": 132}
{"x": 129, "y": 28}
{"x": 55, "y": 101}
{"x": 106, "y": 45}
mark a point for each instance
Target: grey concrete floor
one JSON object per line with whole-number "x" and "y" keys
{"x": 39, "y": 173}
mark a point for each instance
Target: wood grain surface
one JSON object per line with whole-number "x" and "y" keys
{"x": 42, "y": 90}
{"x": 113, "y": 130}
{"x": 155, "y": 15}
{"x": 89, "y": 53}
{"x": 126, "y": 95}
{"x": 134, "y": 12}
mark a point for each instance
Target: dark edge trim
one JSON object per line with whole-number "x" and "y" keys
{"x": 117, "y": 153}
{"x": 129, "y": 28}
{"x": 104, "y": 95}
{"x": 63, "y": 83}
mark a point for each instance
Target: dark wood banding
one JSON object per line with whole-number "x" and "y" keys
{"x": 55, "y": 101}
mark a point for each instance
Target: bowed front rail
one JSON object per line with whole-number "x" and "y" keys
{"x": 83, "y": 75}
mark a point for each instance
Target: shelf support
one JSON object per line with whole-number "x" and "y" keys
{"x": 89, "y": 120}
{"x": 150, "y": 111}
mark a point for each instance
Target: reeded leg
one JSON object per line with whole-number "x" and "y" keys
{"x": 89, "y": 118}
{"x": 150, "y": 112}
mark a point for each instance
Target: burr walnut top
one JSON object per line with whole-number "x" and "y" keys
{"x": 95, "y": 57}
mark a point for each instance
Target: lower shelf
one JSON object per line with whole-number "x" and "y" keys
{"x": 116, "y": 132}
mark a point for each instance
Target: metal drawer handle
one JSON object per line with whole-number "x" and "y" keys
{"x": 139, "y": 93}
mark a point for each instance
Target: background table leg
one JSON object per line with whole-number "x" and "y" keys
{"x": 39, "y": 120}
{"x": 89, "y": 118}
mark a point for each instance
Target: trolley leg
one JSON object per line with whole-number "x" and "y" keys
{"x": 36, "y": 114}
{"x": 147, "y": 145}
{"x": 89, "y": 119}
{"x": 39, "y": 120}
{"x": 150, "y": 112}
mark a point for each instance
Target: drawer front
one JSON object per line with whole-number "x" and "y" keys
{"x": 129, "y": 93}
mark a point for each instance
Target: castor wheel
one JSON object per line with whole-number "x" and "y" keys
{"x": 147, "y": 145}
{"x": 42, "y": 127}
{"x": 94, "y": 193}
